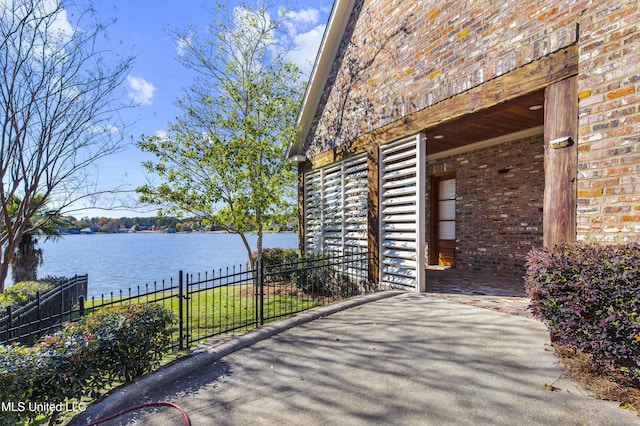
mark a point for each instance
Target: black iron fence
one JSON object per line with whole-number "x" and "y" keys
{"x": 43, "y": 314}
{"x": 230, "y": 300}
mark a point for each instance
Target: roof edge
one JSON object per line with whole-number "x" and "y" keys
{"x": 326, "y": 55}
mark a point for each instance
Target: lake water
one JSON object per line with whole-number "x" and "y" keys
{"x": 119, "y": 261}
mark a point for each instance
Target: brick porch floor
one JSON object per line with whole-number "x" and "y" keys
{"x": 504, "y": 294}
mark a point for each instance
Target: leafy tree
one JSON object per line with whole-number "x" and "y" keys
{"x": 57, "y": 111}
{"x": 224, "y": 160}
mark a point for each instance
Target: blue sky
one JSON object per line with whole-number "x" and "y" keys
{"x": 157, "y": 78}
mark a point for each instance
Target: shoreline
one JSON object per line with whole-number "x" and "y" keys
{"x": 165, "y": 232}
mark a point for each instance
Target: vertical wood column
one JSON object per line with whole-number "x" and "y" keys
{"x": 560, "y": 162}
{"x": 373, "y": 214}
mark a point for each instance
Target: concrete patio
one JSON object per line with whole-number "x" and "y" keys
{"x": 388, "y": 358}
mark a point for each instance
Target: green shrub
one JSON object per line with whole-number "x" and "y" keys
{"x": 589, "y": 296}
{"x": 22, "y": 292}
{"x": 314, "y": 274}
{"x": 276, "y": 263}
{"x": 84, "y": 358}
{"x": 276, "y": 256}
{"x": 318, "y": 275}
{"x": 52, "y": 279}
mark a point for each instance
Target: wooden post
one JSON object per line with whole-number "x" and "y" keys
{"x": 560, "y": 162}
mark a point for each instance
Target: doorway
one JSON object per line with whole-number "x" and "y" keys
{"x": 442, "y": 241}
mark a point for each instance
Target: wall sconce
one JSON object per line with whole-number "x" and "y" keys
{"x": 298, "y": 158}
{"x": 562, "y": 142}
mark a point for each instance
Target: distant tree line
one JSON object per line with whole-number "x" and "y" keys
{"x": 71, "y": 225}
{"x": 110, "y": 225}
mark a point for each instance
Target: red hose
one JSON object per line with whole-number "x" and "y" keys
{"x": 187, "y": 421}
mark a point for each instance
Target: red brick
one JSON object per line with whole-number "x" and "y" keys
{"x": 491, "y": 214}
{"x": 621, "y": 92}
{"x": 589, "y": 192}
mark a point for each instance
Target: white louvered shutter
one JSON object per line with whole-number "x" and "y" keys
{"x": 335, "y": 207}
{"x": 402, "y": 213}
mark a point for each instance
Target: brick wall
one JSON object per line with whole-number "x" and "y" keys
{"x": 609, "y": 132}
{"x": 499, "y": 194}
{"x": 403, "y": 56}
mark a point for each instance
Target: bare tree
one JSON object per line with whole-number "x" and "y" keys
{"x": 58, "y": 110}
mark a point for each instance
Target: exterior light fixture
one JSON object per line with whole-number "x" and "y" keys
{"x": 559, "y": 143}
{"x": 298, "y": 158}
{"x": 535, "y": 107}
{"x": 438, "y": 137}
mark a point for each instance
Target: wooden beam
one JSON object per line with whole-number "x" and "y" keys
{"x": 528, "y": 78}
{"x": 560, "y": 162}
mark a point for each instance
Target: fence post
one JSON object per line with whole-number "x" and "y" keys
{"x": 39, "y": 302}
{"x": 61, "y": 302}
{"x": 81, "y": 303}
{"x": 180, "y": 311}
{"x": 9, "y": 323}
{"x": 255, "y": 273}
{"x": 261, "y": 284}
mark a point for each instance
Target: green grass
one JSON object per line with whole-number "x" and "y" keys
{"x": 220, "y": 310}
{"x": 214, "y": 311}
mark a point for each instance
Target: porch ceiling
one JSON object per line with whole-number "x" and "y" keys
{"x": 499, "y": 120}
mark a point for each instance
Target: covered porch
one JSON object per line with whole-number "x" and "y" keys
{"x": 499, "y": 293}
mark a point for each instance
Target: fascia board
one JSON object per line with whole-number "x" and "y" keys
{"x": 320, "y": 74}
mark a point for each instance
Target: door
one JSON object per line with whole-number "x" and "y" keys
{"x": 442, "y": 248}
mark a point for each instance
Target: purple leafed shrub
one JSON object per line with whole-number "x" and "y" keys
{"x": 589, "y": 296}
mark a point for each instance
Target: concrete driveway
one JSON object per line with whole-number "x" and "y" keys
{"x": 407, "y": 359}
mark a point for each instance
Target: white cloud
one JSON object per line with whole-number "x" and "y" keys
{"x": 106, "y": 128}
{"x": 306, "y": 48}
{"x": 52, "y": 30}
{"x": 181, "y": 45}
{"x": 306, "y": 34}
{"x": 61, "y": 27}
{"x": 304, "y": 16}
{"x": 140, "y": 90}
{"x": 161, "y": 134}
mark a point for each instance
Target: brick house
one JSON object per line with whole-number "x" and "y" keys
{"x": 465, "y": 133}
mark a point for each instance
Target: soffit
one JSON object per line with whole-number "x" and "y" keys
{"x": 499, "y": 120}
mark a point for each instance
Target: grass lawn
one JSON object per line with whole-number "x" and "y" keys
{"x": 221, "y": 310}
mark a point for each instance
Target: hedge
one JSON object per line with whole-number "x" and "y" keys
{"x": 82, "y": 359}
{"x": 589, "y": 296}
{"x": 277, "y": 263}
{"x": 22, "y": 292}
{"x": 312, "y": 274}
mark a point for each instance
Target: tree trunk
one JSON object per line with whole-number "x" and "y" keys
{"x": 259, "y": 227}
{"x": 4, "y": 271}
{"x": 7, "y": 255}
{"x": 27, "y": 258}
{"x": 247, "y": 247}
{"x": 259, "y": 242}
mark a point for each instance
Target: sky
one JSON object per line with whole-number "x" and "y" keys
{"x": 157, "y": 78}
